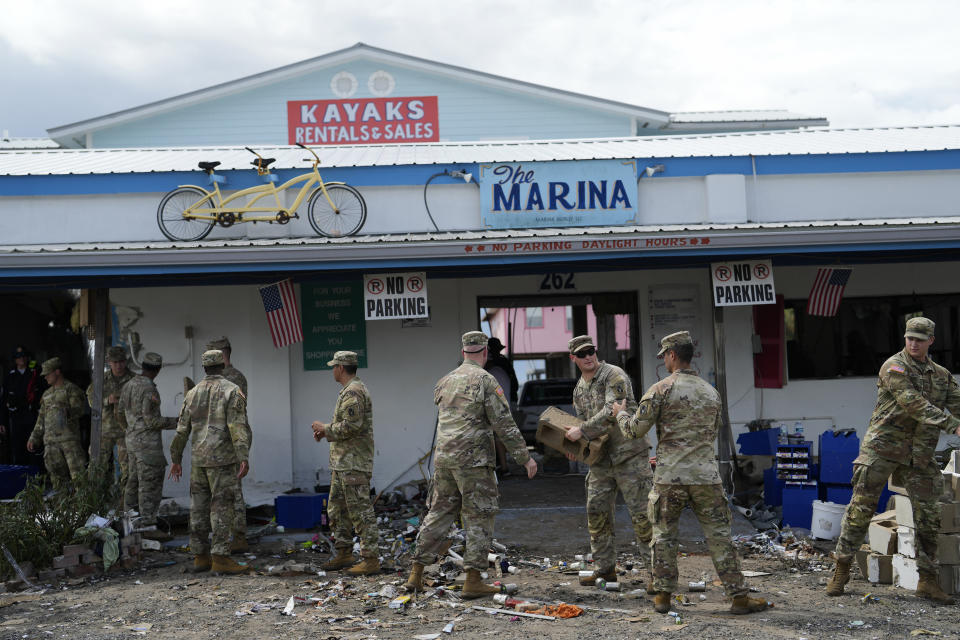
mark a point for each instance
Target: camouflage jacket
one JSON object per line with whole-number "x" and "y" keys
{"x": 909, "y": 415}
{"x": 140, "y": 418}
{"x": 215, "y": 412}
{"x": 472, "y": 408}
{"x": 233, "y": 374}
{"x": 686, "y": 410}
{"x": 351, "y": 433}
{"x": 592, "y": 401}
{"x": 58, "y": 418}
{"x": 110, "y": 413}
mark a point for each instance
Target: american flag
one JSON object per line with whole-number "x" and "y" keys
{"x": 827, "y": 291}
{"x": 283, "y": 315}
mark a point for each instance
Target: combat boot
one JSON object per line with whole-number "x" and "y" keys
{"x": 365, "y": 567}
{"x": 929, "y": 588}
{"x": 201, "y": 563}
{"x": 651, "y": 590}
{"x": 745, "y": 604}
{"x": 589, "y": 581}
{"x": 415, "y": 581}
{"x": 473, "y": 587}
{"x": 661, "y": 602}
{"x": 239, "y": 544}
{"x": 344, "y": 558}
{"x": 841, "y": 576}
{"x": 226, "y": 564}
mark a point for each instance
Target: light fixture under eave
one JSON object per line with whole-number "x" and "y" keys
{"x": 459, "y": 173}
{"x": 653, "y": 170}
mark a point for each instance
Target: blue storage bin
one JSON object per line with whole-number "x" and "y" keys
{"x": 837, "y": 453}
{"x": 301, "y": 510}
{"x": 772, "y": 488}
{"x": 13, "y": 478}
{"x": 798, "y": 500}
{"x": 759, "y": 443}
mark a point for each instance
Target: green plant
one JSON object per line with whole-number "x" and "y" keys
{"x": 35, "y": 526}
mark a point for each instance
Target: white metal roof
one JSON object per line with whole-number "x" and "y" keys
{"x": 752, "y": 115}
{"x": 28, "y": 143}
{"x": 757, "y": 143}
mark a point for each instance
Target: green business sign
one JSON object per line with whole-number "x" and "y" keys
{"x": 333, "y": 321}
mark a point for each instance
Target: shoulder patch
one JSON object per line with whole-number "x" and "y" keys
{"x": 895, "y": 368}
{"x": 499, "y": 390}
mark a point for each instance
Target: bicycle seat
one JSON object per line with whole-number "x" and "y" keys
{"x": 262, "y": 164}
{"x": 208, "y": 166}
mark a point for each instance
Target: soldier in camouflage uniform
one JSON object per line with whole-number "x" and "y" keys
{"x": 686, "y": 410}
{"x": 139, "y": 413}
{"x": 624, "y": 464}
{"x": 58, "y": 425}
{"x": 351, "y": 467}
{"x": 215, "y": 412}
{"x": 111, "y": 431}
{"x": 471, "y": 409}
{"x": 233, "y": 374}
{"x": 912, "y": 393}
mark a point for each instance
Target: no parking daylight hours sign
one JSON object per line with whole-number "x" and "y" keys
{"x": 395, "y": 296}
{"x": 742, "y": 282}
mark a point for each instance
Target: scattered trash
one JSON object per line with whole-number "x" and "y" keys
{"x": 562, "y": 610}
{"x": 492, "y": 611}
{"x": 855, "y": 623}
{"x": 925, "y": 632}
{"x": 288, "y": 610}
{"x": 869, "y": 598}
{"x": 697, "y": 586}
{"x": 399, "y": 603}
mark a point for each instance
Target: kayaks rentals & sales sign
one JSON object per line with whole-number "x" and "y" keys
{"x": 363, "y": 121}
{"x": 565, "y": 193}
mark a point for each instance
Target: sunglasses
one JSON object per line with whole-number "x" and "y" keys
{"x": 589, "y": 351}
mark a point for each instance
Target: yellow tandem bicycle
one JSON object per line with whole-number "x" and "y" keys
{"x": 189, "y": 212}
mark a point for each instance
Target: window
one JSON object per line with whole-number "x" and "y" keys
{"x": 864, "y": 333}
{"x": 569, "y": 312}
{"x": 534, "y": 317}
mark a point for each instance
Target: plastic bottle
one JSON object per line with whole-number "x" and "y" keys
{"x": 506, "y": 601}
{"x": 798, "y": 429}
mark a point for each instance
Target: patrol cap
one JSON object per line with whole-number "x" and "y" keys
{"x": 211, "y": 358}
{"x": 19, "y": 351}
{"x": 152, "y": 359}
{"x": 673, "y": 341}
{"x": 49, "y": 366}
{"x": 344, "y": 357}
{"x": 920, "y": 327}
{"x": 580, "y": 342}
{"x": 116, "y": 354}
{"x": 474, "y": 341}
{"x": 221, "y": 343}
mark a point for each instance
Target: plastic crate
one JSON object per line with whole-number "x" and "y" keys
{"x": 837, "y": 453}
{"x": 13, "y": 478}
{"x": 772, "y": 488}
{"x": 759, "y": 443}
{"x": 798, "y": 503}
{"x": 301, "y": 510}
{"x": 837, "y": 493}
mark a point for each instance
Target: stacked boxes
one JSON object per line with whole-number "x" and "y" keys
{"x": 838, "y": 450}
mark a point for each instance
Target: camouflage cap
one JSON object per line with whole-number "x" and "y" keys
{"x": 580, "y": 342}
{"x": 673, "y": 341}
{"x": 220, "y": 343}
{"x": 344, "y": 357}
{"x": 152, "y": 359}
{"x": 116, "y": 354}
{"x": 211, "y": 358}
{"x": 49, "y": 366}
{"x": 920, "y": 327}
{"x": 474, "y": 341}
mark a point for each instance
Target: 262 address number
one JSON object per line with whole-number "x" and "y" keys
{"x": 557, "y": 282}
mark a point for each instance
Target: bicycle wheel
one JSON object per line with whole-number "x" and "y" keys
{"x": 174, "y": 224}
{"x": 345, "y": 218}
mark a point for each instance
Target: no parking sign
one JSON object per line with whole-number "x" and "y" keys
{"x": 394, "y": 296}
{"x": 743, "y": 282}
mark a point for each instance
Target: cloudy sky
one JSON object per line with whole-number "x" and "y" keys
{"x": 859, "y": 63}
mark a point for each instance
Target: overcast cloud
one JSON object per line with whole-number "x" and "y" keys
{"x": 858, "y": 63}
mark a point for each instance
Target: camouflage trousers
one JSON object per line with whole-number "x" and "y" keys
{"x": 923, "y": 486}
{"x": 240, "y": 506}
{"x": 709, "y": 504}
{"x": 108, "y": 461}
{"x": 212, "y": 508}
{"x": 144, "y": 488}
{"x": 350, "y": 509}
{"x": 634, "y": 479}
{"x": 472, "y": 493}
{"x": 64, "y": 460}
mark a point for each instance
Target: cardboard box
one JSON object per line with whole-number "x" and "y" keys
{"x": 949, "y": 515}
{"x": 882, "y": 535}
{"x": 948, "y": 548}
{"x": 894, "y": 488}
{"x": 950, "y": 578}
{"x": 551, "y": 432}
{"x": 880, "y": 568}
{"x": 907, "y": 541}
{"x": 905, "y": 572}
